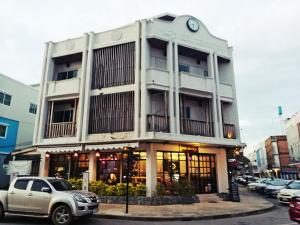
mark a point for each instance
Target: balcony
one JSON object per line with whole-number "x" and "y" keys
{"x": 226, "y": 90}
{"x": 229, "y": 131}
{"x": 196, "y": 127}
{"x": 158, "y": 123}
{"x": 192, "y": 82}
{"x": 65, "y": 129}
{"x": 64, "y": 87}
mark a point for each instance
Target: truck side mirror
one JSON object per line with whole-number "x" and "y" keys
{"x": 46, "y": 189}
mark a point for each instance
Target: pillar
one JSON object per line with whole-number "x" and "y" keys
{"x": 219, "y": 108}
{"x": 82, "y": 86}
{"x": 37, "y": 118}
{"x": 88, "y": 79}
{"x": 43, "y": 89}
{"x": 92, "y": 165}
{"x": 177, "y": 105}
{"x": 144, "y": 94}
{"x": 222, "y": 171}
{"x": 214, "y": 97}
{"x": 137, "y": 88}
{"x": 171, "y": 86}
{"x": 44, "y": 165}
{"x": 151, "y": 170}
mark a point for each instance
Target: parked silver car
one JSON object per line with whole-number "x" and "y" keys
{"x": 47, "y": 197}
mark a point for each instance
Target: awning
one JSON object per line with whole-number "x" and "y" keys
{"x": 118, "y": 146}
{"x": 60, "y": 149}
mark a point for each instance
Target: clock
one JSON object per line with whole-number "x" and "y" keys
{"x": 192, "y": 24}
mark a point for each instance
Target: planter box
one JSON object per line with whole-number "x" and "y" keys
{"x": 141, "y": 200}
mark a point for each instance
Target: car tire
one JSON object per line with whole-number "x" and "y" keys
{"x": 62, "y": 215}
{"x": 1, "y": 212}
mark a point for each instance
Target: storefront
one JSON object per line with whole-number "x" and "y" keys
{"x": 172, "y": 164}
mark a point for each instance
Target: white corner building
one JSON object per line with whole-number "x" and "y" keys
{"x": 163, "y": 87}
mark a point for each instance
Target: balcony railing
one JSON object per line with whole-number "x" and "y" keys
{"x": 229, "y": 131}
{"x": 64, "y": 129}
{"x": 158, "y": 123}
{"x": 196, "y": 127}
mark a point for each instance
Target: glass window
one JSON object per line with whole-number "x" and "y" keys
{"x": 38, "y": 185}
{"x": 66, "y": 75}
{"x": 63, "y": 116}
{"x": 3, "y": 130}
{"x": 60, "y": 184}
{"x": 21, "y": 184}
{"x": 5, "y": 99}
{"x": 32, "y": 108}
{"x": 184, "y": 68}
{"x": 79, "y": 165}
{"x": 188, "y": 112}
{"x": 108, "y": 167}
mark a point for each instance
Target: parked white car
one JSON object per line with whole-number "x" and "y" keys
{"x": 273, "y": 189}
{"x": 260, "y": 182}
{"x": 285, "y": 195}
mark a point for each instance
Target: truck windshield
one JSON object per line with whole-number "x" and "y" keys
{"x": 60, "y": 185}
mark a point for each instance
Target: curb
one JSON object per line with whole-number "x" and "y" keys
{"x": 185, "y": 218}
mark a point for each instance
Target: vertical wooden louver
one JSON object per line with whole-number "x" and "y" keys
{"x": 112, "y": 113}
{"x": 113, "y": 66}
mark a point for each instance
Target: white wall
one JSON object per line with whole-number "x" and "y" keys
{"x": 22, "y": 96}
{"x": 293, "y": 136}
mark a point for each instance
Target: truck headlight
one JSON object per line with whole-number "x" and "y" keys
{"x": 80, "y": 198}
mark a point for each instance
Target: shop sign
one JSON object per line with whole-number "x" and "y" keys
{"x": 188, "y": 149}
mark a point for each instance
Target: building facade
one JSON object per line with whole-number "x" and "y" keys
{"x": 163, "y": 87}
{"x": 18, "y": 105}
{"x": 278, "y": 157}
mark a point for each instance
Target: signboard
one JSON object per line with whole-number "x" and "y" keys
{"x": 190, "y": 149}
{"x": 22, "y": 167}
{"x": 13, "y": 175}
{"x": 85, "y": 181}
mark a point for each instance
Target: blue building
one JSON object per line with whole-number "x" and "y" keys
{"x": 18, "y": 105}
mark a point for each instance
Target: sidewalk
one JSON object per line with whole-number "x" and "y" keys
{"x": 251, "y": 203}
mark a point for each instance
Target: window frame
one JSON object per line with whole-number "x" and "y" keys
{"x": 28, "y": 181}
{"x": 39, "y": 180}
{"x": 32, "y": 108}
{"x": 5, "y": 95}
{"x": 6, "y": 130}
{"x": 67, "y": 74}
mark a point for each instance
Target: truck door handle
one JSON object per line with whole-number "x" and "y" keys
{"x": 11, "y": 192}
{"x": 29, "y": 194}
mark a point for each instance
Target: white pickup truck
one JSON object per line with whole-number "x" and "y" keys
{"x": 47, "y": 197}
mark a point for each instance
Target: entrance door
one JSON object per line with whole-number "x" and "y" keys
{"x": 203, "y": 173}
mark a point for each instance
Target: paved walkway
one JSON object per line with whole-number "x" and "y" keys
{"x": 251, "y": 203}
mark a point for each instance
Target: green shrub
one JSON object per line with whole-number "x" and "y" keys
{"x": 183, "y": 188}
{"x": 111, "y": 190}
{"x": 121, "y": 189}
{"x": 140, "y": 190}
{"x": 77, "y": 183}
{"x": 98, "y": 187}
{"x": 160, "y": 189}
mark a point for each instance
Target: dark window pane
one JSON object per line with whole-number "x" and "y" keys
{"x": 7, "y": 99}
{"x": 1, "y": 97}
{"x": 184, "y": 68}
{"x": 62, "y": 76}
{"x": 188, "y": 112}
{"x": 71, "y": 74}
{"x": 3, "y": 130}
{"x": 38, "y": 185}
{"x": 21, "y": 184}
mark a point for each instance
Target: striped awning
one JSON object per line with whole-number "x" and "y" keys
{"x": 60, "y": 149}
{"x": 118, "y": 146}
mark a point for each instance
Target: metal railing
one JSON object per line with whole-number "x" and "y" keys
{"x": 229, "y": 131}
{"x": 196, "y": 127}
{"x": 64, "y": 129}
{"x": 158, "y": 123}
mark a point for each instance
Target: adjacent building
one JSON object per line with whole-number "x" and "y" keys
{"x": 162, "y": 87}
{"x": 278, "y": 157}
{"x": 18, "y": 106}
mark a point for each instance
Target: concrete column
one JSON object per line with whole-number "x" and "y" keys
{"x": 171, "y": 86}
{"x": 144, "y": 91}
{"x": 43, "y": 88}
{"x": 151, "y": 170}
{"x": 211, "y": 72}
{"x": 234, "y": 104}
{"x": 222, "y": 172}
{"x": 44, "y": 165}
{"x": 82, "y": 86}
{"x": 219, "y": 108}
{"x": 38, "y": 115}
{"x": 88, "y": 79}
{"x": 177, "y": 105}
{"x": 92, "y": 165}
{"x": 137, "y": 88}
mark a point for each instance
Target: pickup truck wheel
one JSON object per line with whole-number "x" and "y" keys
{"x": 1, "y": 212}
{"x": 62, "y": 215}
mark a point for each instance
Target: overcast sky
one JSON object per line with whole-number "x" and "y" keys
{"x": 265, "y": 35}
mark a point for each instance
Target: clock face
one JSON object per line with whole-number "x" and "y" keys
{"x": 193, "y": 24}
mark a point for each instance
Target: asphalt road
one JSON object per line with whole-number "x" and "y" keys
{"x": 278, "y": 216}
